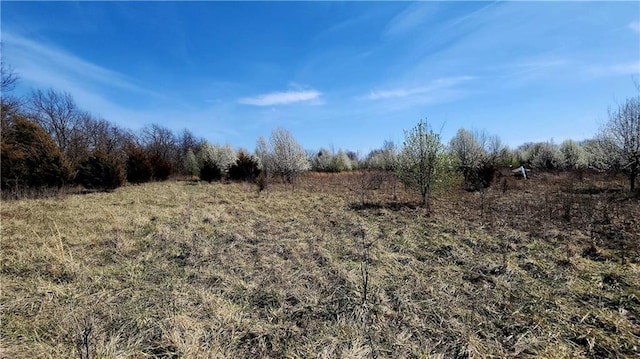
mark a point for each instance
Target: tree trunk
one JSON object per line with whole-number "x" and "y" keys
{"x": 632, "y": 180}
{"x": 426, "y": 201}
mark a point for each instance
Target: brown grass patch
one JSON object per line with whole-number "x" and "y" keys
{"x": 195, "y": 270}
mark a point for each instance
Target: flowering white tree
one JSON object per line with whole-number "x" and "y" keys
{"x": 263, "y": 155}
{"x": 283, "y": 155}
{"x": 542, "y": 155}
{"x": 467, "y": 149}
{"x": 342, "y": 162}
{"x": 322, "y": 161}
{"x": 385, "y": 158}
{"x": 222, "y": 157}
{"x": 575, "y": 157}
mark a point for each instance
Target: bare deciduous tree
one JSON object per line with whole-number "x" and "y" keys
{"x": 495, "y": 148}
{"x": 188, "y": 141}
{"x": 9, "y": 105}
{"x": 57, "y": 113}
{"x": 262, "y": 154}
{"x": 8, "y": 78}
{"x": 158, "y": 141}
{"x": 621, "y": 136}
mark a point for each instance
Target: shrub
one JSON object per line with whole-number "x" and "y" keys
{"x": 575, "y": 157}
{"x": 322, "y": 161}
{"x": 245, "y": 168}
{"x": 222, "y": 157}
{"x": 542, "y": 155}
{"x": 100, "y": 171}
{"x": 161, "y": 168}
{"x": 341, "y": 162}
{"x": 385, "y": 159}
{"x": 139, "y": 167}
{"x": 478, "y": 178}
{"x": 209, "y": 171}
{"x": 30, "y": 157}
{"x": 262, "y": 182}
{"x": 191, "y": 163}
{"x": 422, "y": 161}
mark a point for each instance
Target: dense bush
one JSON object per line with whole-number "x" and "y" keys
{"x": 245, "y": 168}
{"x": 599, "y": 156}
{"x": 541, "y": 155}
{"x": 30, "y": 157}
{"x": 342, "y": 162}
{"x": 322, "y": 161}
{"x": 222, "y": 157}
{"x": 478, "y": 178}
{"x": 575, "y": 157}
{"x": 100, "y": 171}
{"x": 327, "y": 161}
{"x": 385, "y": 158}
{"x": 209, "y": 171}
{"x": 161, "y": 168}
{"x": 139, "y": 167}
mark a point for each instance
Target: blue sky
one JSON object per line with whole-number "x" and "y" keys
{"x": 336, "y": 74}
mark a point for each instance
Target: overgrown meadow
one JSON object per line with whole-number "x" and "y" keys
{"x": 338, "y": 267}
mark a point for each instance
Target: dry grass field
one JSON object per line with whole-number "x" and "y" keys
{"x": 545, "y": 268}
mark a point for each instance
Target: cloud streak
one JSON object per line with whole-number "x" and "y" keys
{"x": 436, "y": 85}
{"x": 65, "y": 66}
{"x": 411, "y": 18}
{"x": 281, "y": 98}
{"x": 635, "y": 26}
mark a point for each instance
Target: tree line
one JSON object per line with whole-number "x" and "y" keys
{"x": 48, "y": 141}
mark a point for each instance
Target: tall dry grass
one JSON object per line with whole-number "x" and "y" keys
{"x": 195, "y": 270}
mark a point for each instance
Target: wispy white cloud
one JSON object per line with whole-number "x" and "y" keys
{"x": 635, "y": 26}
{"x": 62, "y": 67}
{"x": 94, "y": 88}
{"x": 540, "y": 64}
{"x": 282, "y": 98}
{"x": 400, "y": 92}
{"x": 531, "y": 69}
{"x": 410, "y": 18}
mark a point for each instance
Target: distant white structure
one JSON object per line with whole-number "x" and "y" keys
{"x": 524, "y": 172}
{"x": 520, "y": 171}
